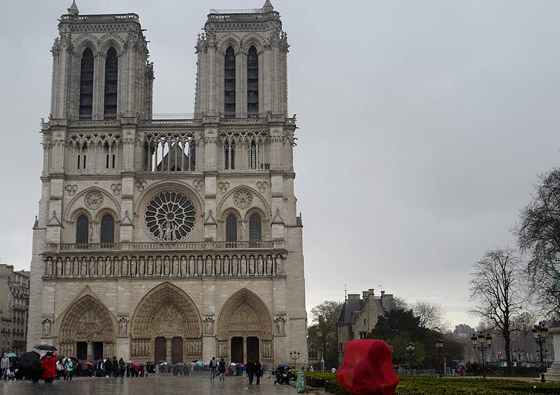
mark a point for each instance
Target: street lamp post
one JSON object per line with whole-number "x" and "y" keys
{"x": 439, "y": 346}
{"x": 482, "y": 343}
{"x": 410, "y": 348}
{"x": 540, "y": 332}
{"x": 295, "y": 356}
{"x": 322, "y": 364}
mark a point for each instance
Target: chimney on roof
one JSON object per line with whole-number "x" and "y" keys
{"x": 382, "y": 294}
{"x": 364, "y": 295}
{"x": 370, "y": 292}
{"x": 353, "y": 296}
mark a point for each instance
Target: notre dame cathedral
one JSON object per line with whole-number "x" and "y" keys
{"x": 169, "y": 239}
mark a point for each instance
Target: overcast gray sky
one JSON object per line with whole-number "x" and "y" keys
{"x": 423, "y": 127}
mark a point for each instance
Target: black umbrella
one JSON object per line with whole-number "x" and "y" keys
{"x": 29, "y": 360}
{"x": 46, "y": 347}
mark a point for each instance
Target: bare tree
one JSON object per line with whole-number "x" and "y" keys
{"x": 538, "y": 234}
{"x": 496, "y": 286}
{"x": 430, "y": 314}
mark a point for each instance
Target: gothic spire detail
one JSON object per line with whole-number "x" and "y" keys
{"x": 73, "y": 10}
{"x": 267, "y": 7}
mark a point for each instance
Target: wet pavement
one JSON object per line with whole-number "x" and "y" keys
{"x": 164, "y": 385}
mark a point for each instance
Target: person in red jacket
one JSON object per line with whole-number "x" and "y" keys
{"x": 48, "y": 367}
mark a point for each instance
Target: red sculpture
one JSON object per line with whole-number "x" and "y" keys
{"x": 367, "y": 368}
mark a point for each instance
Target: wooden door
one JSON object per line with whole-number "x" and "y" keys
{"x": 177, "y": 350}
{"x": 160, "y": 353}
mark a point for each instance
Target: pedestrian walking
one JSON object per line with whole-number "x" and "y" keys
{"x": 222, "y": 369}
{"x": 258, "y": 372}
{"x": 69, "y": 367}
{"x": 48, "y": 367}
{"x": 4, "y": 365}
{"x": 213, "y": 365}
{"x": 250, "y": 369}
{"x": 59, "y": 369}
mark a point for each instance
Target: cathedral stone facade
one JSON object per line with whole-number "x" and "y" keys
{"x": 169, "y": 239}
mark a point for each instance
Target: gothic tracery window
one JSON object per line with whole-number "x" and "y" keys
{"x": 252, "y": 83}
{"x": 111, "y": 78}
{"x": 229, "y": 155}
{"x": 255, "y": 234}
{"x": 107, "y": 229}
{"x": 86, "y": 84}
{"x": 229, "y": 83}
{"x": 82, "y": 229}
{"x": 253, "y": 155}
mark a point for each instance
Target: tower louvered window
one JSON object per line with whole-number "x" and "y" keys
{"x": 86, "y": 84}
{"x": 111, "y": 78}
{"x": 253, "y": 83}
{"x": 229, "y": 83}
{"x": 82, "y": 230}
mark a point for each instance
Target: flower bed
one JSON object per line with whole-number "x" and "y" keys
{"x": 417, "y": 385}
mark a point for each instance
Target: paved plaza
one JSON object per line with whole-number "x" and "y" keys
{"x": 168, "y": 385}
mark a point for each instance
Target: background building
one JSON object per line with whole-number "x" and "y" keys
{"x": 169, "y": 239}
{"x": 14, "y": 305}
{"x": 359, "y": 316}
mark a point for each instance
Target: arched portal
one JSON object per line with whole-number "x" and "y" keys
{"x": 166, "y": 324}
{"x": 245, "y": 329}
{"x": 87, "y": 330}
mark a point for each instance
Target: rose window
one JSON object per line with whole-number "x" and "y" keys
{"x": 170, "y": 216}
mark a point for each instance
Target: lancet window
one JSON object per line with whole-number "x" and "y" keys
{"x": 111, "y": 79}
{"x": 252, "y": 83}
{"x": 107, "y": 229}
{"x": 229, "y": 83}
{"x": 82, "y": 229}
{"x": 86, "y": 84}
{"x": 96, "y": 152}
{"x": 169, "y": 152}
{"x": 255, "y": 231}
{"x": 231, "y": 229}
{"x": 229, "y": 155}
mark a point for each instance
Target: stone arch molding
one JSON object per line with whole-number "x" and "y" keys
{"x": 86, "y": 319}
{"x": 229, "y": 40}
{"x": 258, "y": 202}
{"x": 244, "y": 314}
{"x": 77, "y": 203}
{"x": 149, "y": 192}
{"x": 253, "y": 39}
{"x": 166, "y": 311}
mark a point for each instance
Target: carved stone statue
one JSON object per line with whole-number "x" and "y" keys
{"x": 47, "y": 327}
{"x": 280, "y": 322}
{"x": 209, "y": 325}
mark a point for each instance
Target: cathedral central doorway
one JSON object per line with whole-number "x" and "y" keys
{"x": 81, "y": 350}
{"x": 237, "y": 349}
{"x": 253, "y": 348}
{"x": 177, "y": 350}
{"x": 160, "y": 352}
{"x": 166, "y": 326}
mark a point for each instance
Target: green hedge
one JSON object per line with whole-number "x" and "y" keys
{"x": 421, "y": 385}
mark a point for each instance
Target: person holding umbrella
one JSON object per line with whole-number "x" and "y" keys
{"x": 48, "y": 366}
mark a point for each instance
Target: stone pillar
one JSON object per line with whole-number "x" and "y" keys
{"x": 245, "y": 350}
{"x": 553, "y": 372}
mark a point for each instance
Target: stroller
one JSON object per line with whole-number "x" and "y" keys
{"x": 283, "y": 374}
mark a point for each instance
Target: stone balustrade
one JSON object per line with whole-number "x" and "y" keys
{"x": 164, "y": 265}
{"x": 167, "y": 246}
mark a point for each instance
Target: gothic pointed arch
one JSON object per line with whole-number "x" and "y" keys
{"x": 244, "y": 314}
{"x": 166, "y": 311}
{"x": 86, "y": 319}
